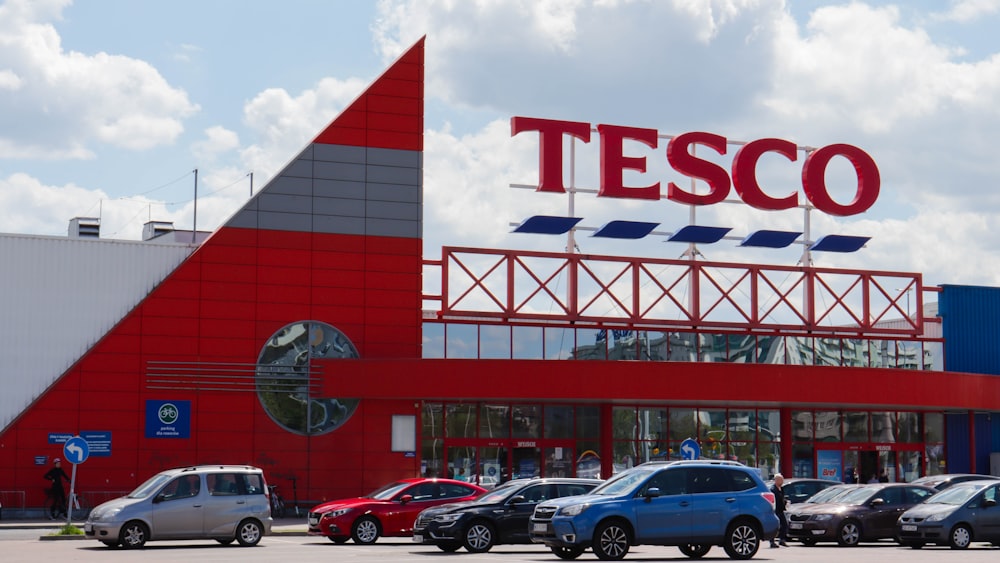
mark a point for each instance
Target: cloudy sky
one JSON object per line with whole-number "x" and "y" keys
{"x": 107, "y": 108}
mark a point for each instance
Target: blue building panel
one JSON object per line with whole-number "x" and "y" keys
{"x": 970, "y": 328}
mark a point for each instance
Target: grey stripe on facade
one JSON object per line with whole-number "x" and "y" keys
{"x": 341, "y": 189}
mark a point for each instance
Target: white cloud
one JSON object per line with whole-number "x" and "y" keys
{"x": 66, "y": 101}
{"x": 969, "y": 10}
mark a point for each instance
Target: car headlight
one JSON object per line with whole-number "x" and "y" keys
{"x": 336, "y": 513}
{"x": 105, "y": 514}
{"x": 822, "y": 517}
{"x": 573, "y": 509}
{"x": 447, "y": 518}
{"x": 936, "y": 517}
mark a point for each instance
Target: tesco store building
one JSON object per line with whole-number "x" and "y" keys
{"x": 301, "y": 337}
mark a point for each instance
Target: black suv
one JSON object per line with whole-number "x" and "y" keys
{"x": 497, "y": 517}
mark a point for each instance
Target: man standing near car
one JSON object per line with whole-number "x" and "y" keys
{"x": 779, "y": 511}
{"x": 57, "y": 495}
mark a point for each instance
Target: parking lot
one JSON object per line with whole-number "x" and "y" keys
{"x": 25, "y": 545}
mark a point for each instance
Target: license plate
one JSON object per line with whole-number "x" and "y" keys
{"x": 794, "y": 526}
{"x": 909, "y": 528}
{"x": 417, "y": 538}
{"x": 539, "y": 528}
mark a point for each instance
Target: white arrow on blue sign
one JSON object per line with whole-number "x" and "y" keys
{"x": 76, "y": 450}
{"x": 690, "y": 449}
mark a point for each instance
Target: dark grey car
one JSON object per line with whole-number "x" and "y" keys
{"x": 956, "y": 517}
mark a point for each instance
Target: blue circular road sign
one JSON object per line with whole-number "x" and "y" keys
{"x": 690, "y": 449}
{"x": 76, "y": 450}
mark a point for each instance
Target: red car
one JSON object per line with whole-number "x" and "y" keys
{"x": 389, "y": 511}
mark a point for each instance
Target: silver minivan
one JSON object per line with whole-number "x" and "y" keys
{"x": 220, "y": 502}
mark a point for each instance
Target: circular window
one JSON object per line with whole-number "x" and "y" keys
{"x": 286, "y": 382}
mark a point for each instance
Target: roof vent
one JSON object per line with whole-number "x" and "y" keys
{"x": 155, "y": 229}
{"x": 85, "y": 227}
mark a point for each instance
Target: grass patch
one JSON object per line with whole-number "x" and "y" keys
{"x": 69, "y": 530}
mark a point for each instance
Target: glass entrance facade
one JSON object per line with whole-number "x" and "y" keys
{"x": 490, "y": 442}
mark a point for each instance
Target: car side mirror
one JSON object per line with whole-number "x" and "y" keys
{"x": 405, "y": 499}
{"x": 878, "y": 502}
{"x": 988, "y": 502}
{"x": 158, "y": 498}
{"x": 651, "y": 493}
{"x": 518, "y": 499}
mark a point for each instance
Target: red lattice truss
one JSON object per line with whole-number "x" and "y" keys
{"x": 507, "y": 285}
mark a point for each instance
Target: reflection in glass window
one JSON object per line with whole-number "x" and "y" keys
{"x": 494, "y": 421}
{"x": 768, "y": 425}
{"x": 909, "y": 355}
{"x": 883, "y": 426}
{"x": 854, "y": 352}
{"x": 653, "y": 346}
{"x": 592, "y": 344}
{"x": 933, "y": 427}
{"x": 462, "y": 341}
{"x": 622, "y": 344}
{"x": 741, "y": 348}
{"x": 802, "y": 426}
{"x": 558, "y": 421}
{"x": 883, "y": 353}
{"x": 770, "y": 350}
{"x": 528, "y": 343}
{"x": 856, "y": 426}
{"x": 712, "y": 425}
{"x": 712, "y": 347}
{"x": 683, "y": 424}
{"x": 432, "y": 421}
{"x": 933, "y": 355}
{"x": 494, "y": 342}
{"x": 826, "y": 425}
{"x": 559, "y": 343}
{"x": 683, "y": 346}
{"x": 460, "y": 420}
{"x": 433, "y": 341}
{"x": 527, "y": 421}
{"x": 827, "y": 351}
{"x": 799, "y": 350}
{"x": 908, "y": 427}
{"x": 623, "y": 423}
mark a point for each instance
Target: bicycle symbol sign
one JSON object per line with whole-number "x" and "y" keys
{"x": 168, "y": 413}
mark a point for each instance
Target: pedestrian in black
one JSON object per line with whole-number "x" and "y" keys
{"x": 57, "y": 495}
{"x": 779, "y": 511}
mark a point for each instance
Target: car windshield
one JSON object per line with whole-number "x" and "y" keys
{"x": 623, "y": 482}
{"x": 388, "y": 491}
{"x": 499, "y": 494}
{"x": 860, "y": 495}
{"x": 830, "y": 494}
{"x": 151, "y": 485}
{"x": 959, "y": 494}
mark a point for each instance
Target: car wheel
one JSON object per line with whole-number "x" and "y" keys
{"x": 960, "y": 537}
{"x": 610, "y": 541}
{"x": 849, "y": 533}
{"x": 479, "y": 537}
{"x": 365, "y": 530}
{"x": 694, "y": 550}
{"x": 224, "y": 541}
{"x": 449, "y": 547}
{"x": 567, "y": 553}
{"x": 742, "y": 540}
{"x": 249, "y": 532}
{"x": 808, "y": 542}
{"x": 338, "y": 539}
{"x": 133, "y": 535}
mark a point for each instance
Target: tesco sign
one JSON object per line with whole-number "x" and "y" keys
{"x": 679, "y": 155}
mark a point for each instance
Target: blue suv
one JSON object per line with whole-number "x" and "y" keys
{"x": 691, "y": 504}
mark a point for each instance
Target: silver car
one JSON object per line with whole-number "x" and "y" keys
{"x": 957, "y": 516}
{"x": 222, "y": 502}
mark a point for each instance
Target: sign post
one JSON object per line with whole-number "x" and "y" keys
{"x": 76, "y": 450}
